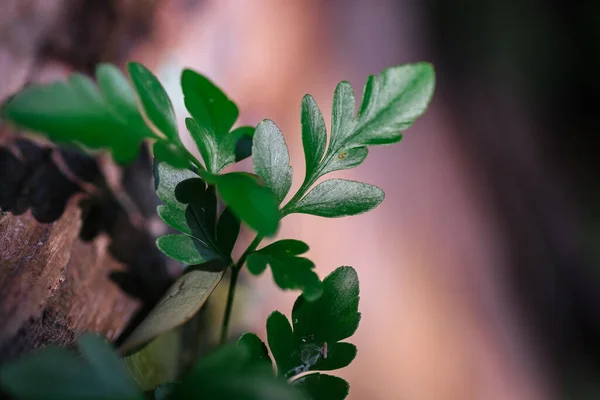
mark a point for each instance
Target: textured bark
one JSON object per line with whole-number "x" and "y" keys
{"x": 62, "y": 245}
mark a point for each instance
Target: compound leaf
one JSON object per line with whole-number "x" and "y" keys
{"x": 391, "y": 103}
{"x": 289, "y": 270}
{"x": 318, "y": 326}
{"x": 190, "y": 206}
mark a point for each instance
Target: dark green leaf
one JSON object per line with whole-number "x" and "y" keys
{"x": 59, "y": 374}
{"x": 271, "y": 159}
{"x": 78, "y": 112}
{"x": 339, "y": 198}
{"x": 207, "y": 104}
{"x": 314, "y": 134}
{"x": 253, "y": 203}
{"x": 185, "y": 249}
{"x": 243, "y": 142}
{"x": 334, "y": 316}
{"x": 289, "y": 271}
{"x": 236, "y": 146}
{"x": 154, "y": 99}
{"x": 107, "y": 365}
{"x": 166, "y": 391}
{"x": 228, "y": 230}
{"x": 257, "y": 263}
{"x": 339, "y": 355}
{"x": 213, "y": 117}
{"x": 190, "y": 207}
{"x": 313, "y": 344}
{"x": 180, "y": 303}
{"x": 228, "y": 374}
{"x": 281, "y": 341}
{"x": 258, "y": 352}
{"x": 323, "y": 387}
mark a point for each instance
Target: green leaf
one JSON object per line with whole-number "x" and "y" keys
{"x": 228, "y": 230}
{"x": 257, "y": 349}
{"x": 185, "y": 249}
{"x": 347, "y": 159}
{"x": 180, "y": 303}
{"x": 289, "y": 271}
{"x": 219, "y": 152}
{"x": 271, "y": 159}
{"x": 54, "y": 373}
{"x": 339, "y": 198}
{"x": 213, "y": 117}
{"x": 253, "y": 203}
{"x": 323, "y": 387}
{"x": 171, "y": 153}
{"x": 244, "y": 136}
{"x": 81, "y": 113}
{"x": 154, "y": 100}
{"x": 228, "y": 374}
{"x": 190, "y": 207}
{"x": 166, "y": 391}
{"x": 314, "y": 134}
{"x": 334, "y": 316}
{"x": 207, "y": 104}
{"x": 392, "y": 101}
{"x": 318, "y": 326}
{"x": 107, "y": 365}
{"x": 281, "y": 340}
{"x": 342, "y": 113}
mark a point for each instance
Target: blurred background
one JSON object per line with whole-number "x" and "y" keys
{"x": 479, "y": 272}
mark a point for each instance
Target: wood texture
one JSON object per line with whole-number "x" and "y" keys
{"x": 62, "y": 246}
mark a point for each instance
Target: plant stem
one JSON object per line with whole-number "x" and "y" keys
{"x": 230, "y": 295}
{"x": 235, "y": 270}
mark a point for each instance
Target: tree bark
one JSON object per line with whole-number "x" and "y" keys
{"x": 65, "y": 241}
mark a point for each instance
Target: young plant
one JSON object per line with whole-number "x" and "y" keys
{"x": 117, "y": 115}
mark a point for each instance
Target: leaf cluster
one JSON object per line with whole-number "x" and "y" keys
{"x": 313, "y": 341}
{"x": 97, "y": 373}
{"x": 206, "y": 208}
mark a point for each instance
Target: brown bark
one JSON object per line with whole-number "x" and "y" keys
{"x": 60, "y": 242}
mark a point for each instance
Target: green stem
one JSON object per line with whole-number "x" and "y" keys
{"x": 232, "y": 283}
{"x": 235, "y": 270}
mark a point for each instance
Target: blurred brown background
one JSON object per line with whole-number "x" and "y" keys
{"x": 479, "y": 272}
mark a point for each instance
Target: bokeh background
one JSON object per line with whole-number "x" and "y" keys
{"x": 479, "y": 272}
